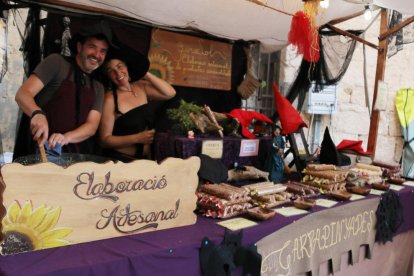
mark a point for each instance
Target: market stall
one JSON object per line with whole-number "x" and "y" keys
{"x": 174, "y": 248}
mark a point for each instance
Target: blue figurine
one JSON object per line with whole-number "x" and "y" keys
{"x": 274, "y": 162}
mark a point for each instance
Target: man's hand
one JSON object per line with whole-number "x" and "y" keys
{"x": 40, "y": 128}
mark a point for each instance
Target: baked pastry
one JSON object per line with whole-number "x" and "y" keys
{"x": 304, "y": 203}
{"x": 340, "y": 195}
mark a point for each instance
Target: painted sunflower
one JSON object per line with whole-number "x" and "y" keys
{"x": 161, "y": 67}
{"x": 26, "y": 229}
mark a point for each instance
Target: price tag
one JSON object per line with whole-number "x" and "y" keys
{"x": 409, "y": 183}
{"x": 249, "y": 147}
{"x": 396, "y": 187}
{"x": 376, "y": 192}
{"x": 212, "y": 148}
{"x": 237, "y": 223}
{"x": 356, "y": 197}
{"x": 326, "y": 203}
{"x": 291, "y": 211}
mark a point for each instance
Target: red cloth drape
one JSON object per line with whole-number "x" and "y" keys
{"x": 304, "y": 37}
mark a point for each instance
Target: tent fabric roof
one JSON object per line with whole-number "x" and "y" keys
{"x": 403, "y": 6}
{"x": 230, "y": 19}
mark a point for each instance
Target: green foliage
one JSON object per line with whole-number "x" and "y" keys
{"x": 181, "y": 115}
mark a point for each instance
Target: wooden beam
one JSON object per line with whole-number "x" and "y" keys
{"x": 396, "y": 28}
{"x": 257, "y": 2}
{"x": 355, "y": 37}
{"x": 345, "y": 18}
{"x": 381, "y": 60}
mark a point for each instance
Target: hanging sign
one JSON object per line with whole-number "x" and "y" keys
{"x": 190, "y": 61}
{"x": 382, "y": 96}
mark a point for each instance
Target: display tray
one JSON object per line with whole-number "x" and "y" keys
{"x": 261, "y": 213}
{"x": 304, "y": 204}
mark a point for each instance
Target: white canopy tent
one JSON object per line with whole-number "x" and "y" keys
{"x": 247, "y": 20}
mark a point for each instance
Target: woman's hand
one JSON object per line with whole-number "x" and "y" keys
{"x": 146, "y": 136}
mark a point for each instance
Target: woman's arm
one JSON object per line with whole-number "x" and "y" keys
{"x": 156, "y": 88}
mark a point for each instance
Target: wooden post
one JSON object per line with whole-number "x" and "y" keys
{"x": 381, "y": 59}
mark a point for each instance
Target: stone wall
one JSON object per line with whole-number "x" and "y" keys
{"x": 352, "y": 119}
{"x": 12, "y": 80}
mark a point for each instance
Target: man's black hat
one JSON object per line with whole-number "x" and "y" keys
{"x": 99, "y": 29}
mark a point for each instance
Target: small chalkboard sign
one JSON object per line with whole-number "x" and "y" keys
{"x": 299, "y": 148}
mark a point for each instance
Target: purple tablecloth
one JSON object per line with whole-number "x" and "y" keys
{"x": 164, "y": 252}
{"x": 167, "y": 145}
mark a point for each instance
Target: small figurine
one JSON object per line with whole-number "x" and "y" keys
{"x": 275, "y": 164}
{"x": 66, "y": 36}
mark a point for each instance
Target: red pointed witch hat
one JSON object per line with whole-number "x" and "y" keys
{"x": 245, "y": 117}
{"x": 352, "y": 145}
{"x": 288, "y": 115}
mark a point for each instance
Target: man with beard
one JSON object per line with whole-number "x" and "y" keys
{"x": 61, "y": 100}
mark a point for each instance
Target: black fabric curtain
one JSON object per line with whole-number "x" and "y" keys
{"x": 31, "y": 43}
{"x": 334, "y": 60}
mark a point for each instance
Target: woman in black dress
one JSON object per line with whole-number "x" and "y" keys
{"x": 126, "y": 128}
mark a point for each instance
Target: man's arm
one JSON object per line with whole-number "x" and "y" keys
{"x": 79, "y": 134}
{"x": 25, "y": 99}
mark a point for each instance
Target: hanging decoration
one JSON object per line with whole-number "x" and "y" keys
{"x": 289, "y": 117}
{"x": 304, "y": 33}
